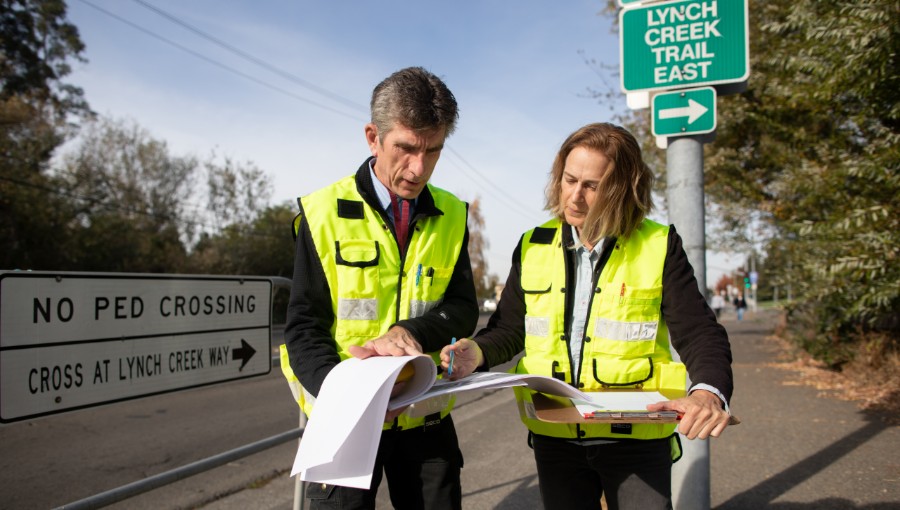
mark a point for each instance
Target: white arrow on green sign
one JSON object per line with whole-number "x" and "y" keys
{"x": 684, "y": 43}
{"x": 684, "y": 112}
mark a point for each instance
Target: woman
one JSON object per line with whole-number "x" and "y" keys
{"x": 593, "y": 298}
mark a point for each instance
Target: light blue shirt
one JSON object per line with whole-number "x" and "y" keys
{"x": 585, "y": 261}
{"x": 384, "y": 194}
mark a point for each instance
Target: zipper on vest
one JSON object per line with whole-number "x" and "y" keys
{"x": 585, "y": 337}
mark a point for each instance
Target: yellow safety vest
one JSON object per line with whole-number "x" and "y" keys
{"x": 372, "y": 285}
{"x": 626, "y": 342}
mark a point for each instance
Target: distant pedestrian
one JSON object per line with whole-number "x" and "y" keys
{"x": 740, "y": 305}
{"x": 717, "y": 304}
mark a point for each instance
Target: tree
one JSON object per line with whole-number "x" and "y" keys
{"x": 812, "y": 150}
{"x": 237, "y": 192}
{"x": 130, "y": 200}
{"x": 484, "y": 281}
{"x": 264, "y": 247}
{"x": 37, "y": 45}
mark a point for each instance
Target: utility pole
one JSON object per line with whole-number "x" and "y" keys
{"x": 682, "y": 109}
{"x": 684, "y": 197}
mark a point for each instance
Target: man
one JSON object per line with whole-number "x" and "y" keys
{"x": 382, "y": 268}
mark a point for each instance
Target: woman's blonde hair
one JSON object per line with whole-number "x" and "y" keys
{"x": 625, "y": 196}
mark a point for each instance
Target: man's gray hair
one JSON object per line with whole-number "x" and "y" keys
{"x": 415, "y": 98}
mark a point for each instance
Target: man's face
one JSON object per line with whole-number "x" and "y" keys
{"x": 405, "y": 159}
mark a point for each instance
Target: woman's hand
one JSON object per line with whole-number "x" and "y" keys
{"x": 701, "y": 413}
{"x": 467, "y": 356}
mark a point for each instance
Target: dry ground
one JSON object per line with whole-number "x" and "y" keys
{"x": 872, "y": 382}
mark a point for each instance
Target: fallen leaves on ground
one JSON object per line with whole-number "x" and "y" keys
{"x": 873, "y": 389}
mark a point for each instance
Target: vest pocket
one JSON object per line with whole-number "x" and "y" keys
{"x": 627, "y": 320}
{"x": 536, "y": 289}
{"x": 622, "y": 373}
{"x": 358, "y": 281}
{"x": 357, "y": 253}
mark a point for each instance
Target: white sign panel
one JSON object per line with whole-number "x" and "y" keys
{"x": 75, "y": 340}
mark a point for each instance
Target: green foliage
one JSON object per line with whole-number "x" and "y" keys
{"x": 119, "y": 200}
{"x": 263, "y": 247}
{"x": 36, "y": 46}
{"x": 809, "y": 156}
{"x": 129, "y": 196}
{"x": 813, "y": 146}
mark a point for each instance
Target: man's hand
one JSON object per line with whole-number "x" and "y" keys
{"x": 466, "y": 358}
{"x": 396, "y": 342}
{"x": 701, "y": 414}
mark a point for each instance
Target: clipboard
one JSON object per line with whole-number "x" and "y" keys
{"x": 553, "y": 409}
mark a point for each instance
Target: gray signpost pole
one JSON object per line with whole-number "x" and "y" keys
{"x": 667, "y": 49}
{"x": 684, "y": 194}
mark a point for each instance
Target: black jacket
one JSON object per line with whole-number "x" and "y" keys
{"x": 312, "y": 349}
{"x": 701, "y": 342}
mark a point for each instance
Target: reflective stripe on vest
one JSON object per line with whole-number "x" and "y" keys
{"x": 626, "y": 342}
{"x": 370, "y": 290}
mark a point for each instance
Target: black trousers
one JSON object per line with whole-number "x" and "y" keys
{"x": 422, "y": 466}
{"x": 634, "y": 475}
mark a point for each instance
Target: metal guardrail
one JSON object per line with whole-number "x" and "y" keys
{"x": 147, "y": 484}
{"x": 174, "y": 475}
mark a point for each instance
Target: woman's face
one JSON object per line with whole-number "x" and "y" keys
{"x": 580, "y": 183}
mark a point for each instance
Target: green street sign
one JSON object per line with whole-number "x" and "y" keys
{"x": 683, "y": 43}
{"x": 684, "y": 112}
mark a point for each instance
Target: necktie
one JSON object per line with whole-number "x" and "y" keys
{"x": 400, "y": 208}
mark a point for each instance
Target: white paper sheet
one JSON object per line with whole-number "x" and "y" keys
{"x": 342, "y": 435}
{"x": 493, "y": 380}
{"x": 617, "y": 401}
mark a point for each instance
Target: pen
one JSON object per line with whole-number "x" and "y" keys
{"x": 418, "y": 274}
{"x": 450, "y": 367}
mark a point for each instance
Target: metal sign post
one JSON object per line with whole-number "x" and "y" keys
{"x": 684, "y": 194}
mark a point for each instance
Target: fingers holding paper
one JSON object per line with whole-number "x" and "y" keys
{"x": 467, "y": 356}
{"x": 701, "y": 414}
{"x": 396, "y": 342}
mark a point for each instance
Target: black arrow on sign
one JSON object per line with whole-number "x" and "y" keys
{"x": 244, "y": 353}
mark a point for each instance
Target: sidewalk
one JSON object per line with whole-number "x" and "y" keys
{"x": 794, "y": 450}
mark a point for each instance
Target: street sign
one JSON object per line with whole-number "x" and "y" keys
{"x": 75, "y": 340}
{"x": 684, "y": 112}
{"x": 684, "y": 43}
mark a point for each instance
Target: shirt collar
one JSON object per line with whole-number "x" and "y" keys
{"x": 578, "y": 245}
{"x": 381, "y": 191}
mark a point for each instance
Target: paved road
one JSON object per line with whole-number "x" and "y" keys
{"x": 795, "y": 450}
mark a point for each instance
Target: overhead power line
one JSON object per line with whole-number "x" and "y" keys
{"x": 246, "y": 56}
{"x": 506, "y": 198}
{"x": 219, "y": 64}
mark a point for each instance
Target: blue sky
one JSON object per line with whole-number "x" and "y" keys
{"x": 517, "y": 70}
